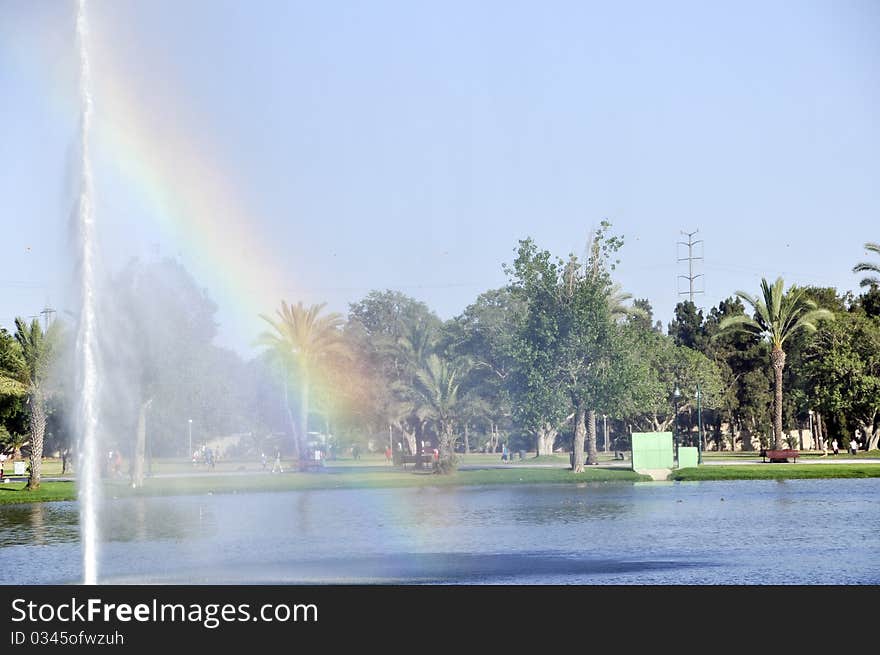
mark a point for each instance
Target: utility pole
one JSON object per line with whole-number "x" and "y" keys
{"x": 47, "y": 315}
{"x": 690, "y": 277}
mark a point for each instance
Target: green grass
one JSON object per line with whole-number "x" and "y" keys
{"x": 15, "y": 492}
{"x": 349, "y": 479}
{"x": 777, "y": 472}
{"x": 354, "y": 479}
{"x": 371, "y": 472}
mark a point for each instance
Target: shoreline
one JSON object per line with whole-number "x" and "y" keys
{"x": 379, "y": 477}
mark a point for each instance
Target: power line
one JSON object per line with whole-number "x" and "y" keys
{"x": 690, "y": 277}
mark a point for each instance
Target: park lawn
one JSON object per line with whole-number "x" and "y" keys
{"x": 265, "y": 482}
{"x": 15, "y": 492}
{"x": 353, "y": 479}
{"x": 51, "y": 467}
{"x": 777, "y": 472}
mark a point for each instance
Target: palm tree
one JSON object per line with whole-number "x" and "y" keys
{"x": 303, "y": 342}
{"x": 616, "y": 298}
{"x": 10, "y": 442}
{"x": 396, "y": 413}
{"x": 867, "y": 267}
{"x": 437, "y": 384}
{"x": 412, "y": 347}
{"x": 778, "y": 315}
{"x": 409, "y": 352}
{"x": 28, "y": 378}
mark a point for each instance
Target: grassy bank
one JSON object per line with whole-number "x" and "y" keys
{"x": 381, "y": 477}
{"x": 328, "y": 479}
{"x": 777, "y": 472}
{"x": 15, "y": 492}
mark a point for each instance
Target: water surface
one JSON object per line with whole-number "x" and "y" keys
{"x": 735, "y": 532}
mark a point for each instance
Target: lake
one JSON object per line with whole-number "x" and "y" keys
{"x": 698, "y": 533}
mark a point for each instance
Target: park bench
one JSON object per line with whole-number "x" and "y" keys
{"x": 424, "y": 458}
{"x": 779, "y": 455}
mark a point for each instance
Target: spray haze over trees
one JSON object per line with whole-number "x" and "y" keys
{"x": 536, "y": 365}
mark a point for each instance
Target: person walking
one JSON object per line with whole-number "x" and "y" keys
{"x": 277, "y": 465}
{"x": 835, "y": 447}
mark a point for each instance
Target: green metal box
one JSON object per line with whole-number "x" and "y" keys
{"x": 652, "y": 450}
{"x": 688, "y": 457}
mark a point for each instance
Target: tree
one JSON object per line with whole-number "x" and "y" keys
{"x": 303, "y": 342}
{"x": 27, "y": 375}
{"x": 393, "y": 335}
{"x": 13, "y": 418}
{"x": 687, "y": 326}
{"x": 796, "y": 404}
{"x": 869, "y": 267}
{"x": 437, "y": 386}
{"x": 869, "y": 302}
{"x": 563, "y": 343}
{"x": 843, "y": 372}
{"x": 158, "y": 374}
{"x": 540, "y": 401}
{"x": 484, "y": 334}
{"x": 778, "y": 316}
{"x": 616, "y": 373}
{"x": 12, "y": 442}
{"x": 669, "y": 367}
{"x": 386, "y": 313}
{"x": 747, "y": 381}
{"x": 645, "y": 320}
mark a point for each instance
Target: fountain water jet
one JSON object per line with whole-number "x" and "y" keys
{"x": 86, "y": 341}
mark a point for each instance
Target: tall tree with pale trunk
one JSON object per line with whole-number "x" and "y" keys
{"x": 778, "y": 315}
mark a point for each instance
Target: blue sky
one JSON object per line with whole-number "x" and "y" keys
{"x": 410, "y": 145}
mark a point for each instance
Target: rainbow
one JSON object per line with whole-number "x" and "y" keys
{"x": 179, "y": 188}
{"x": 194, "y": 203}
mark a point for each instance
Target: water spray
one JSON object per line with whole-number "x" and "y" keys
{"x": 86, "y": 338}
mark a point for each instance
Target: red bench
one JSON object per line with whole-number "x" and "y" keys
{"x": 779, "y": 455}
